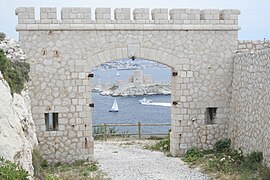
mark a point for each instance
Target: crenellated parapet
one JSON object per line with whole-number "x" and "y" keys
{"x": 124, "y": 18}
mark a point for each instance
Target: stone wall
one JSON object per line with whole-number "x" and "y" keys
{"x": 245, "y": 46}
{"x": 198, "y": 45}
{"x": 250, "y": 109}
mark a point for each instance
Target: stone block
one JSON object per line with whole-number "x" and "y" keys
{"x": 212, "y": 14}
{"x": 122, "y": 14}
{"x": 77, "y": 14}
{"x": 103, "y": 14}
{"x": 229, "y": 14}
{"x": 141, "y": 14}
{"x": 159, "y": 14}
{"x": 185, "y": 14}
{"x": 25, "y": 15}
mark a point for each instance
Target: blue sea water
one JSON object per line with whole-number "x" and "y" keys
{"x": 130, "y": 110}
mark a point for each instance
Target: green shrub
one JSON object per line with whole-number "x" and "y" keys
{"x": 11, "y": 171}
{"x": 264, "y": 173}
{"x": 223, "y": 163}
{"x": 93, "y": 167}
{"x": 193, "y": 154}
{"x": 39, "y": 163}
{"x": 15, "y": 73}
{"x": 252, "y": 160}
{"x": 51, "y": 177}
{"x": 222, "y": 159}
{"x": 162, "y": 145}
{"x": 85, "y": 171}
{"x": 2, "y": 36}
{"x": 222, "y": 145}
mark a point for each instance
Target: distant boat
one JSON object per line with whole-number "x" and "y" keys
{"x": 145, "y": 101}
{"x": 117, "y": 73}
{"x": 114, "y": 107}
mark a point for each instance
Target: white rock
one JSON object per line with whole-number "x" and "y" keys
{"x": 12, "y": 49}
{"x": 17, "y": 129}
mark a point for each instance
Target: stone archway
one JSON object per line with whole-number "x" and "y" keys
{"x": 197, "y": 44}
{"x": 140, "y": 53}
{"x": 134, "y": 50}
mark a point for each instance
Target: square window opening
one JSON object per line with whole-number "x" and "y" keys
{"x": 51, "y": 121}
{"x": 210, "y": 115}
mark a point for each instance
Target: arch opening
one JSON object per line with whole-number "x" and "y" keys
{"x": 142, "y": 90}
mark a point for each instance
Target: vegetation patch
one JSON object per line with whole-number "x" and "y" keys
{"x": 163, "y": 145}
{"x": 11, "y": 171}
{"x": 15, "y": 73}
{"x": 79, "y": 170}
{"x": 222, "y": 162}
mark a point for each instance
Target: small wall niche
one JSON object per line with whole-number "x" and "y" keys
{"x": 56, "y": 54}
{"x": 44, "y": 52}
{"x": 210, "y": 115}
{"x": 51, "y": 121}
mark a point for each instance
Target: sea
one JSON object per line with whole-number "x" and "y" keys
{"x": 130, "y": 110}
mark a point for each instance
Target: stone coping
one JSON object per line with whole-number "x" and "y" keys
{"x": 144, "y": 27}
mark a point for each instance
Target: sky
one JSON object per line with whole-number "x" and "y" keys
{"x": 254, "y": 19}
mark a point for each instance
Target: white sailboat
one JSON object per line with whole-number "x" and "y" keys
{"x": 117, "y": 73}
{"x": 114, "y": 107}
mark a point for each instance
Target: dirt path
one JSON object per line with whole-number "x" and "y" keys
{"x": 129, "y": 161}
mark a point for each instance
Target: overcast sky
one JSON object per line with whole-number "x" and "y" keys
{"x": 254, "y": 19}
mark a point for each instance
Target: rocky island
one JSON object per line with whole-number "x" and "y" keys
{"x": 136, "y": 85}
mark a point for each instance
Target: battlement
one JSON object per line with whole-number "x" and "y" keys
{"x": 80, "y": 18}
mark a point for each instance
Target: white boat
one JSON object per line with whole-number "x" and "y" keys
{"x": 114, "y": 107}
{"x": 117, "y": 73}
{"x": 145, "y": 101}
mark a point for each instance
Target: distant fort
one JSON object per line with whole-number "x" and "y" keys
{"x": 137, "y": 84}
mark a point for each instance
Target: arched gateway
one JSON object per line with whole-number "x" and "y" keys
{"x": 197, "y": 44}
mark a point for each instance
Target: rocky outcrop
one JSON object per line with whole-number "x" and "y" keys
{"x": 133, "y": 90}
{"x": 12, "y": 49}
{"x": 17, "y": 129}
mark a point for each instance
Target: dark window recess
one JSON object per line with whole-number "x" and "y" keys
{"x": 210, "y": 115}
{"x": 85, "y": 143}
{"x": 51, "y": 121}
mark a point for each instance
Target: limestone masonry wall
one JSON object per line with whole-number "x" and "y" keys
{"x": 250, "y": 109}
{"x": 198, "y": 46}
{"x": 245, "y": 46}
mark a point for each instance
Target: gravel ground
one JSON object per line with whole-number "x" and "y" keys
{"x": 129, "y": 161}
